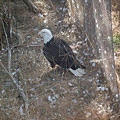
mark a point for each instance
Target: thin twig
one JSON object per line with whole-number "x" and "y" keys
{"x": 26, "y": 45}
{"x": 9, "y": 60}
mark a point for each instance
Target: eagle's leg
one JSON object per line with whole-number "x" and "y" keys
{"x": 52, "y": 64}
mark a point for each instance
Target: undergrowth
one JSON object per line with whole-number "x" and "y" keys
{"x": 116, "y": 39}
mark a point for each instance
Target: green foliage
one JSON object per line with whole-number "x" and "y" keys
{"x": 116, "y": 39}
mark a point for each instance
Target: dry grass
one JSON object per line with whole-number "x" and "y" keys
{"x": 53, "y": 94}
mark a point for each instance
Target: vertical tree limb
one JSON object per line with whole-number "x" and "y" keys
{"x": 8, "y": 71}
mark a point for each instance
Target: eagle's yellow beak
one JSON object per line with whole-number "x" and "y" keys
{"x": 40, "y": 35}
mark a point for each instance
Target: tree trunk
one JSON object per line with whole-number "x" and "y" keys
{"x": 97, "y": 23}
{"x": 95, "y": 17}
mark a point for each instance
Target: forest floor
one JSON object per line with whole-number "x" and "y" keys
{"x": 53, "y": 94}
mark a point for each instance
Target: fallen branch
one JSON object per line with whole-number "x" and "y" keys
{"x": 32, "y": 7}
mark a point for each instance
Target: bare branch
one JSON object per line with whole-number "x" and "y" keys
{"x": 26, "y": 45}
{"x": 32, "y": 7}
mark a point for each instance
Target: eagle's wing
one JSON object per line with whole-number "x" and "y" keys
{"x": 64, "y": 55}
{"x": 66, "y": 49}
{"x": 49, "y": 57}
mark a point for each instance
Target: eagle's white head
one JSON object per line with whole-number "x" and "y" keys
{"x": 46, "y": 35}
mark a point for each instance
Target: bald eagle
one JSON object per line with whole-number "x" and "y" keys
{"x": 57, "y": 51}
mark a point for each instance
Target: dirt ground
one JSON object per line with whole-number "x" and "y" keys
{"x": 53, "y": 94}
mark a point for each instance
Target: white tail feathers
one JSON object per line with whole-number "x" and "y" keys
{"x": 78, "y": 72}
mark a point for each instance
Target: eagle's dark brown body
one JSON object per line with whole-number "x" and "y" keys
{"x": 59, "y": 52}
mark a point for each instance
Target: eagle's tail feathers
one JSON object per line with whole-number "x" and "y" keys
{"x": 78, "y": 72}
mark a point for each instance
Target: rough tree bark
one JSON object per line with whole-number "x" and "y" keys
{"x": 96, "y": 16}
{"x": 98, "y": 25}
